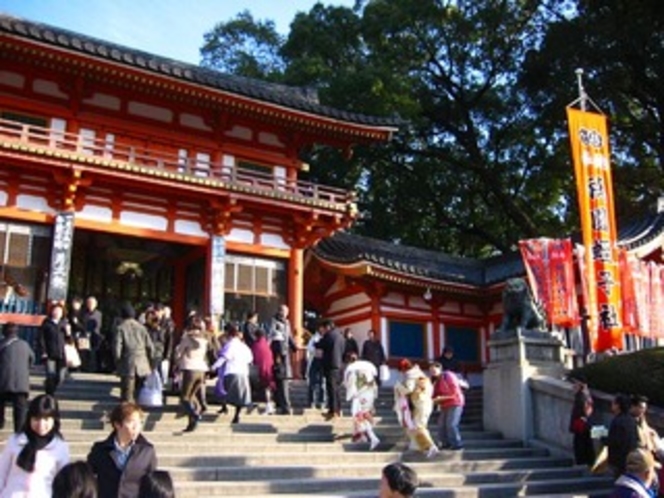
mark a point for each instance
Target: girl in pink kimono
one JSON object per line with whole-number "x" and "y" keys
{"x": 361, "y": 391}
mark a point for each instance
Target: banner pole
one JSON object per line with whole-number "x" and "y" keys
{"x": 582, "y": 92}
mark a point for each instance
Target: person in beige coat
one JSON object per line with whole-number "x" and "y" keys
{"x": 133, "y": 350}
{"x": 191, "y": 357}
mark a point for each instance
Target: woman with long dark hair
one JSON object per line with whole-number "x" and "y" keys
{"x": 32, "y": 457}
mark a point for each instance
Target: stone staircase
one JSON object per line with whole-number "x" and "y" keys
{"x": 302, "y": 455}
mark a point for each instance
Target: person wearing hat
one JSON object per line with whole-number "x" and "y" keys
{"x": 638, "y": 478}
{"x": 133, "y": 351}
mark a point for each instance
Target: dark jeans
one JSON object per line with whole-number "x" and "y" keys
{"x": 56, "y": 371}
{"x": 19, "y": 403}
{"x": 316, "y": 384}
{"x": 282, "y": 396}
{"x": 333, "y": 386}
{"x": 88, "y": 360}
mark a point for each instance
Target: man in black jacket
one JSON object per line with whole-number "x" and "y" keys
{"x": 52, "y": 345}
{"x": 372, "y": 351}
{"x": 282, "y": 345}
{"x": 16, "y": 357}
{"x": 333, "y": 345}
{"x": 623, "y": 434}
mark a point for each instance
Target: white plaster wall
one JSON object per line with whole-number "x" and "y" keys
{"x": 9, "y": 78}
{"x": 273, "y": 240}
{"x": 188, "y": 227}
{"x": 241, "y": 132}
{"x": 193, "y": 121}
{"x": 150, "y": 111}
{"x": 352, "y": 301}
{"x": 96, "y": 213}
{"x": 269, "y": 139}
{"x": 393, "y": 298}
{"x": 49, "y": 88}
{"x": 241, "y": 235}
{"x": 3, "y": 198}
{"x": 103, "y": 100}
{"x": 419, "y": 302}
{"x": 450, "y": 307}
{"x": 33, "y": 203}
{"x": 399, "y": 310}
{"x": 143, "y": 220}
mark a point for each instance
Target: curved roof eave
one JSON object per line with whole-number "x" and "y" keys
{"x": 280, "y": 96}
{"x": 424, "y": 267}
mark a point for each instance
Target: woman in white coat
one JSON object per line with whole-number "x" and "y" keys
{"x": 32, "y": 458}
{"x": 361, "y": 391}
{"x": 233, "y": 372}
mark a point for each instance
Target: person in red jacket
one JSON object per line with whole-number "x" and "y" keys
{"x": 448, "y": 396}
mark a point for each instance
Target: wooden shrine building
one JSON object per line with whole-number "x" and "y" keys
{"x": 421, "y": 300}
{"x": 130, "y": 176}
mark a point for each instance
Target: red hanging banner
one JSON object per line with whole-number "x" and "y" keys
{"x": 629, "y": 299}
{"x": 551, "y": 276}
{"x": 590, "y": 152}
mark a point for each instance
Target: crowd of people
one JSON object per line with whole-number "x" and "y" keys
{"x": 631, "y": 450}
{"x": 252, "y": 364}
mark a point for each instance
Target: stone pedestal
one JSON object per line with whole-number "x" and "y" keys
{"x": 513, "y": 360}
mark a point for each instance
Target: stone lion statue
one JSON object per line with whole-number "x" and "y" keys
{"x": 520, "y": 312}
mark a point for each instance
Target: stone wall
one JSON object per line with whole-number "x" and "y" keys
{"x": 551, "y": 400}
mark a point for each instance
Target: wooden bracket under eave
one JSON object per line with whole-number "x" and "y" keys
{"x": 71, "y": 181}
{"x": 219, "y": 216}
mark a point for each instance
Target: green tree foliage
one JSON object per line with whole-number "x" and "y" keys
{"x": 619, "y": 44}
{"x": 245, "y": 47}
{"x": 483, "y": 158}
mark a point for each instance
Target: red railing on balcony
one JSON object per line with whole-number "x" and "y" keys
{"x": 149, "y": 158}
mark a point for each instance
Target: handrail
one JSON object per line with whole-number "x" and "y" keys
{"x": 150, "y": 158}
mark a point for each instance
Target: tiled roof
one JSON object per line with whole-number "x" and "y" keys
{"x": 296, "y": 98}
{"x": 348, "y": 249}
{"x": 642, "y": 231}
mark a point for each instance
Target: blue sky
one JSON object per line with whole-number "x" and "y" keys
{"x": 172, "y": 28}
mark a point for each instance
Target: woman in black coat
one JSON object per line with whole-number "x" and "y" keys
{"x": 121, "y": 460}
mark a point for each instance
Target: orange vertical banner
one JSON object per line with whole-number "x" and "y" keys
{"x": 590, "y": 152}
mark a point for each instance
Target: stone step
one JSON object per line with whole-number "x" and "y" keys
{"x": 429, "y": 472}
{"x": 223, "y": 428}
{"x": 302, "y": 455}
{"x": 434, "y": 485}
{"x": 247, "y": 426}
{"x": 310, "y": 457}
